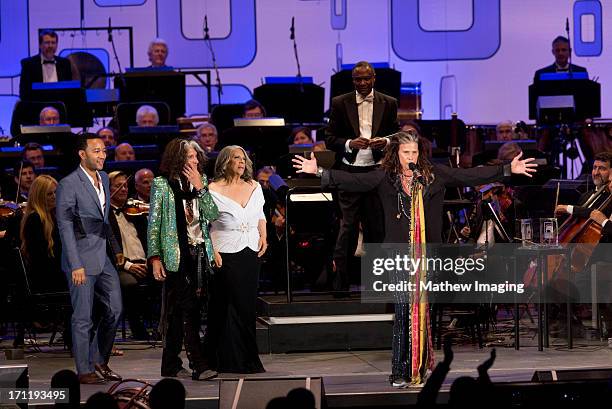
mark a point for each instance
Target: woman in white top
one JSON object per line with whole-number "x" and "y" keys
{"x": 239, "y": 239}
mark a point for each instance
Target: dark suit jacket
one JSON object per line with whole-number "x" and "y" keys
{"x": 44, "y": 270}
{"x": 344, "y": 123}
{"x": 140, "y": 223}
{"x": 397, "y": 230}
{"x": 31, "y": 71}
{"x": 553, "y": 68}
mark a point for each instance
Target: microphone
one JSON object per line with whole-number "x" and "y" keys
{"x": 109, "y": 30}
{"x": 417, "y": 173}
{"x": 292, "y": 29}
{"x": 567, "y": 24}
{"x": 206, "y": 36}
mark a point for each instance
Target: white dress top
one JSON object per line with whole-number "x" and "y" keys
{"x": 236, "y": 226}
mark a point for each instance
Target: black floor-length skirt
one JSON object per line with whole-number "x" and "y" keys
{"x": 231, "y": 333}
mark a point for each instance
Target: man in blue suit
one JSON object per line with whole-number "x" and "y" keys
{"x": 83, "y": 205}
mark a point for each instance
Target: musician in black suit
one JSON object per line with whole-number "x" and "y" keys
{"x": 562, "y": 51}
{"x": 44, "y": 66}
{"x": 601, "y": 177}
{"x": 358, "y": 124}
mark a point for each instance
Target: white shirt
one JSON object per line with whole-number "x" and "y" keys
{"x": 237, "y": 226}
{"x": 365, "y": 108}
{"x": 100, "y": 191}
{"x": 132, "y": 247}
{"x": 194, "y": 230}
{"x": 49, "y": 71}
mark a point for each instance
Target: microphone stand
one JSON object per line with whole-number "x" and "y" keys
{"x": 214, "y": 59}
{"x": 295, "y": 52}
{"x": 112, "y": 41}
{"x": 569, "y": 43}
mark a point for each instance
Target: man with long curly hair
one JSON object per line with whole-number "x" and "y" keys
{"x": 180, "y": 252}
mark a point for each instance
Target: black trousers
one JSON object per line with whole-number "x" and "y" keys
{"x": 355, "y": 207}
{"x": 183, "y": 317}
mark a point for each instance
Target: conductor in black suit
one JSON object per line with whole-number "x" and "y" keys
{"x": 562, "y": 51}
{"x": 45, "y": 66}
{"x": 358, "y": 124}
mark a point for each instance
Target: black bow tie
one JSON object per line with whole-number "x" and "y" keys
{"x": 48, "y": 61}
{"x": 117, "y": 210}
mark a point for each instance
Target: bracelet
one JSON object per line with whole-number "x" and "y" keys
{"x": 319, "y": 172}
{"x": 200, "y": 193}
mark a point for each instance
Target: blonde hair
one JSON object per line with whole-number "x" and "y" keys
{"x": 38, "y": 203}
{"x": 223, "y": 160}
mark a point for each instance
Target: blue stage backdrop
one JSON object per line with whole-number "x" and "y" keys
{"x": 474, "y": 57}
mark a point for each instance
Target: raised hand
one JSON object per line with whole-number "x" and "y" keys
{"x": 304, "y": 165}
{"x": 190, "y": 171}
{"x": 523, "y": 167}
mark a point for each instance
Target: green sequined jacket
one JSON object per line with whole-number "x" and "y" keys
{"x": 162, "y": 236}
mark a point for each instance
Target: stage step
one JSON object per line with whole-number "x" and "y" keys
{"x": 309, "y": 305}
{"x": 322, "y": 323}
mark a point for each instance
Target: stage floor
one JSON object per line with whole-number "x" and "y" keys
{"x": 349, "y": 377}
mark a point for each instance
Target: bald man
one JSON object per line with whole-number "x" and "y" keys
{"x": 124, "y": 152}
{"x": 142, "y": 182}
{"x": 49, "y": 116}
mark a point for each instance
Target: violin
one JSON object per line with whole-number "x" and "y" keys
{"x": 9, "y": 209}
{"x": 135, "y": 207}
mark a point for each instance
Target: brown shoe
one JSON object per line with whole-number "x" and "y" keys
{"x": 107, "y": 373}
{"x": 91, "y": 379}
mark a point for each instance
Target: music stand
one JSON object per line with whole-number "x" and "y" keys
{"x": 158, "y": 135}
{"x": 296, "y": 102}
{"x": 586, "y": 94}
{"x": 71, "y": 93}
{"x": 160, "y": 86}
{"x": 268, "y": 143}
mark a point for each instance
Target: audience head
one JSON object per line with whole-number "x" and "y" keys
{"x": 143, "y": 179}
{"x": 601, "y": 169}
{"x": 301, "y": 398}
{"x": 124, "y": 152}
{"x": 561, "y": 50}
{"x": 301, "y": 136}
{"x": 33, "y": 153}
{"x": 207, "y": 137}
{"x": 508, "y": 151}
{"x": 101, "y": 400}
{"x": 280, "y": 402}
{"x": 177, "y": 154}
{"x": 263, "y": 176}
{"x": 47, "y": 44}
{"x": 147, "y": 116}
{"x": 253, "y": 109}
{"x": 504, "y": 131}
{"x": 233, "y": 162}
{"x": 25, "y": 177}
{"x": 69, "y": 380}
{"x": 464, "y": 392}
{"x": 49, "y": 116}
{"x": 108, "y": 135}
{"x": 92, "y": 151}
{"x": 158, "y": 52}
{"x": 118, "y": 188}
{"x": 167, "y": 393}
{"x": 364, "y": 77}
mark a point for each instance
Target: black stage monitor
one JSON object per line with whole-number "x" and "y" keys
{"x": 60, "y": 136}
{"x": 583, "y": 94}
{"x": 267, "y": 143}
{"x": 71, "y": 94}
{"x": 388, "y": 81}
{"x": 159, "y": 86}
{"x": 295, "y": 102}
{"x": 157, "y": 135}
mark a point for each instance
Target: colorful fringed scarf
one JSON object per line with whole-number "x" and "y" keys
{"x": 420, "y": 328}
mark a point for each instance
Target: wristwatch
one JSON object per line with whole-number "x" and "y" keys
{"x": 319, "y": 172}
{"x": 200, "y": 193}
